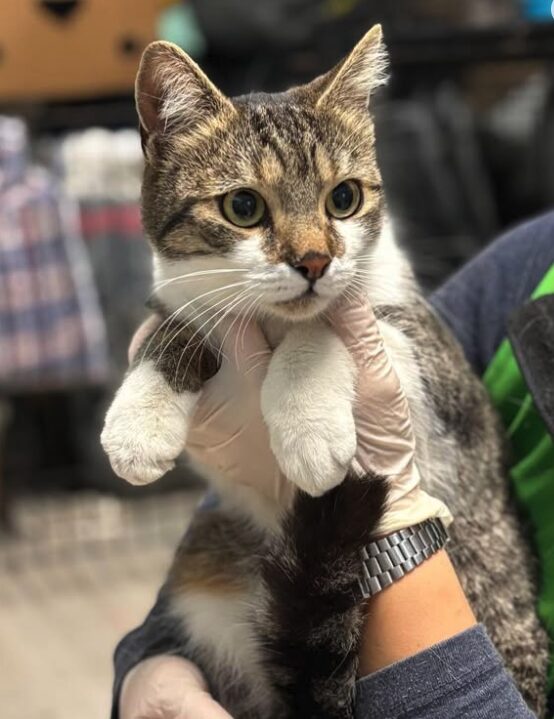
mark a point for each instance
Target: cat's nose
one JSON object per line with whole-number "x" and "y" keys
{"x": 313, "y": 265}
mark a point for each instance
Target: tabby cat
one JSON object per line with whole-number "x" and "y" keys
{"x": 272, "y": 206}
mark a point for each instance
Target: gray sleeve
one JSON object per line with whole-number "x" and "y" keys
{"x": 477, "y": 301}
{"x": 461, "y": 678}
{"x": 158, "y": 634}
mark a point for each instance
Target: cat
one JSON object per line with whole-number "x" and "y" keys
{"x": 272, "y": 206}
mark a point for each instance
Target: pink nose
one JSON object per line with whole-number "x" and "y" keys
{"x": 313, "y": 265}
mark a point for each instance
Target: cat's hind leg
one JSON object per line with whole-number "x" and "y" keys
{"x": 215, "y": 591}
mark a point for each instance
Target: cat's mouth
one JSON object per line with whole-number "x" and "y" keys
{"x": 307, "y": 304}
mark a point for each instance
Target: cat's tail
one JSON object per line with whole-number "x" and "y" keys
{"x": 314, "y": 617}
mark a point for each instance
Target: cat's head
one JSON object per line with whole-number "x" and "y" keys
{"x": 268, "y": 203}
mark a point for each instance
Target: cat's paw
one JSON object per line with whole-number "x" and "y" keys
{"x": 314, "y": 451}
{"x": 146, "y": 426}
{"x": 307, "y": 402}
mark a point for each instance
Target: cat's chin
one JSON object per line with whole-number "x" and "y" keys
{"x": 299, "y": 309}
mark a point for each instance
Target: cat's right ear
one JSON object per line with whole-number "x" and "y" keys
{"x": 172, "y": 93}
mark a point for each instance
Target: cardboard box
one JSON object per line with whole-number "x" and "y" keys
{"x": 62, "y": 49}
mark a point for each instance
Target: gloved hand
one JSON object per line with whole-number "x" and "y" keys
{"x": 167, "y": 687}
{"x": 227, "y": 433}
{"x": 386, "y": 441}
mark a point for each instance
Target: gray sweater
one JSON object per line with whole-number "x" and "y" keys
{"x": 461, "y": 678}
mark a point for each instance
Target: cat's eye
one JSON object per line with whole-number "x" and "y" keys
{"x": 244, "y": 208}
{"x": 343, "y": 200}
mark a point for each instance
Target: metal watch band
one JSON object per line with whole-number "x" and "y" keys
{"x": 386, "y": 560}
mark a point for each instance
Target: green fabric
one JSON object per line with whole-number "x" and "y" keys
{"x": 532, "y": 469}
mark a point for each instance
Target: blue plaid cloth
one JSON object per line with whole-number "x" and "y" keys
{"x": 51, "y": 328}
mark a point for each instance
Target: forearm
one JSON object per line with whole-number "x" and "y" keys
{"x": 423, "y": 655}
{"x": 426, "y": 607}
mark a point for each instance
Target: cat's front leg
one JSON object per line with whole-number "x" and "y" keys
{"x": 147, "y": 424}
{"x": 307, "y": 403}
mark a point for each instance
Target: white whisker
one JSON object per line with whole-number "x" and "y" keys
{"x": 193, "y": 275}
{"x": 195, "y": 317}
{"x": 182, "y": 308}
{"x": 226, "y": 311}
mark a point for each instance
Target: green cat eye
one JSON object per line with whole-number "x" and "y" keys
{"x": 343, "y": 200}
{"x": 244, "y": 208}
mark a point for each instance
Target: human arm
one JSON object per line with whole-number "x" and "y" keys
{"x": 422, "y": 654}
{"x": 424, "y": 657}
{"x": 460, "y": 678}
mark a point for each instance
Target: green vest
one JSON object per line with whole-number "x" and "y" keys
{"x": 532, "y": 469}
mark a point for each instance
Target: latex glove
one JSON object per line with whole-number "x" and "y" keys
{"x": 167, "y": 687}
{"x": 228, "y": 434}
{"x": 386, "y": 441}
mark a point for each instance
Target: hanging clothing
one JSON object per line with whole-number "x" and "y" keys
{"x": 52, "y": 332}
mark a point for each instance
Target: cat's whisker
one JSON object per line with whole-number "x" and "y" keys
{"x": 191, "y": 303}
{"x": 194, "y": 318}
{"x": 191, "y": 343}
{"x": 226, "y": 311}
{"x": 261, "y": 353}
{"x": 247, "y": 314}
{"x": 179, "y": 310}
{"x": 244, "y": 298}
{"x": 194, "y": 275}
{"x": 191, "y": 320}
{"x": 252, "y": 369}
{"x": 229, "y": 329}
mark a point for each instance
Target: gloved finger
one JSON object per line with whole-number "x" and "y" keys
{"x": 355, "y": 323}
{"x": 142, "y": 333}
{"x": 167, "y": 687}
{"x": 199, "y": 705}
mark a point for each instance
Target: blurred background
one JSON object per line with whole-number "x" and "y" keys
{"x": 466, "y": 144}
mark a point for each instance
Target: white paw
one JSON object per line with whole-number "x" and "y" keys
{"x": 315, "y": 453}
{"x": 307, "y": 401}
{"x": 146, "y": 426}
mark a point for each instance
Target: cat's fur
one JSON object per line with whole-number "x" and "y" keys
{"x": 264, "y": 595}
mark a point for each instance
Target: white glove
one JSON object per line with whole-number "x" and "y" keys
{"x": 167, "y": 687}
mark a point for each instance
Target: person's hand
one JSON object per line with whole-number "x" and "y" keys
{"x": 167, "y": 687}
{"x": 228, "y": 434}
{"x": 385, "y": 435}
{"x": 227, "y": 426}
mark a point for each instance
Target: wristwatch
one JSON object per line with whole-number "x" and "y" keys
{"x": 390, "y": 558}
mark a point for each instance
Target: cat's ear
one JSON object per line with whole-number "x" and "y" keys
{"x": 350, "y": 84}
{"x": 172, "y": 93}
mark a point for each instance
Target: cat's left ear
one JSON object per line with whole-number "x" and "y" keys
{"x": 350, "y": 84}
{"x": 173, "y": 94}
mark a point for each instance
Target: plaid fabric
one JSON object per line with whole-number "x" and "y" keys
{"x": 51, "y": 328}
{"x": 99, "y": 220}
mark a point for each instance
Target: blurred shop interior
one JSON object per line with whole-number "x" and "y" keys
{"x": 466, "y": 143}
